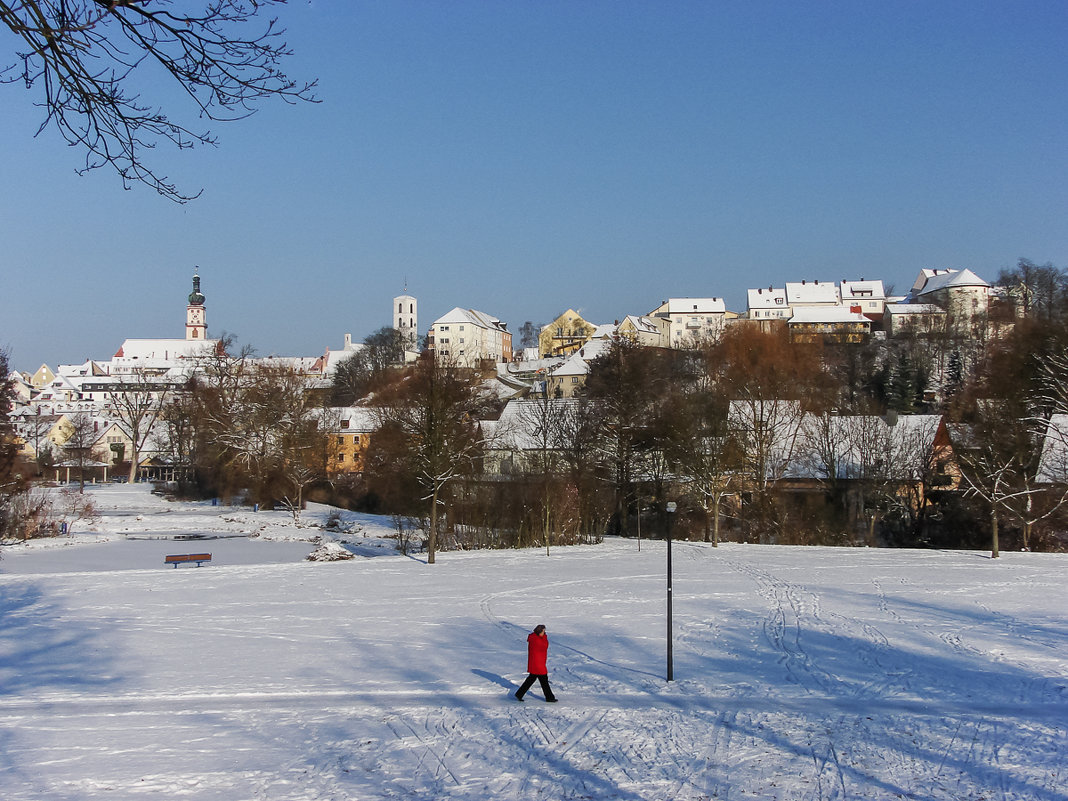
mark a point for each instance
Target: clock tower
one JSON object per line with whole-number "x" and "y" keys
{"x": 196, "y": 324}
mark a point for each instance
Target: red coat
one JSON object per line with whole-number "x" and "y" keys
{"x": 537, "y": 649}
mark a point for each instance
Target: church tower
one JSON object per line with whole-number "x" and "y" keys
{"x": 406, "y": 318}
{"x": 196, "y": 324}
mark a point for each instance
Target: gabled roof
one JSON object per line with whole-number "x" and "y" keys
{"x": 952, "y": 279}
{"x": 472, "y": 316}
{"x": 857, "y": 290}
{"x": 641, "y": 324}
{"x": 807, "y": 292}
{"x": 517, "y": 427}
{"x": 358, "y": 419}
{"x": 578, "y": 362}
{"x": 769, "y": 298}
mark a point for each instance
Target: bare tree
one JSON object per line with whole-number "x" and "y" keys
{"x": 79, "y": 444}
{"x": 73, "y": 507}
{"x": 543, "y": 421}
{"x": 176, "y": 433}
{"x": 137, "y": 402}
{"x": 580, "y": 452}
{"x": 87, "y": 58}
{"x": 433, "y": 411}
{"x": 706, "y": 456}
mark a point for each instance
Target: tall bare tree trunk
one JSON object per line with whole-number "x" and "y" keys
{"x": 994, "y": 552}
{"x": 715, "y": 521}
{"x": 432, "y": 539}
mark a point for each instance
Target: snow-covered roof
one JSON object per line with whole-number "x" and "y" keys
{"x": 827, "y": 314}
{"x": 332, "y": 358}
{"x": 855, "y": 290}
{"x": 472, "y": 316}
{"x": 862, "y": 443}
{"x": 355, "y": 419}
{"x": 166, "y": 349}
{"x": 811, "y": 292}
{"x": 691, "y": 306}
{"x": 641, "y": 324}
{"x": 520, "y": 420}
{"x": 578, "y": 362}
{"x": 926, "y": 274}
{"x": 769, "y": 298}
{"x": 951, "y": 279}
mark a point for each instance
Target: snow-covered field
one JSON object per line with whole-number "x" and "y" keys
{"x": 801, "y": 673}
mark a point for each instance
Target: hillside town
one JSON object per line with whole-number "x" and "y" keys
{"x": 822, "y": 413}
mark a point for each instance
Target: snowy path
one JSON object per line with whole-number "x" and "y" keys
{"x": 801, "y": 674}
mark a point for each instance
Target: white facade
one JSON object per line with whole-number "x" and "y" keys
{"x": 692, "y": 319}
{"x": 867, "y": 297}
{"x": 963, "y": 294}
{"x": 768, "y": 304}
{"x": 406, "y": 319}
{"x": 467, "y": 337}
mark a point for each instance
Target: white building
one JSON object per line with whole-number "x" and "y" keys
{"x": 866, "y": 297}
{"x": 767, "y": 304}
{"x": 470, "y": 337}
{"x": 963, "y": 294}
{"x": 692, "y": 320}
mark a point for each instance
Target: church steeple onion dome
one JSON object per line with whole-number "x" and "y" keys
{"x": 195, "y": 298}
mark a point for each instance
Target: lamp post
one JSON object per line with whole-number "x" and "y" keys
{"x": 671, "y": 507}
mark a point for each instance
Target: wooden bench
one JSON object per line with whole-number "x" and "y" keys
{"x": 178, "y": 558}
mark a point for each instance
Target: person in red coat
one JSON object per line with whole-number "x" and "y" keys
{"x": 537, "y": 650}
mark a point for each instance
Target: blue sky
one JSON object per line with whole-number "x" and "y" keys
{"x": 521, "y": 158}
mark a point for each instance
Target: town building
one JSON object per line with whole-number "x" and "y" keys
{"x": 470, "y": 338}
{"x": 692, "y": 320}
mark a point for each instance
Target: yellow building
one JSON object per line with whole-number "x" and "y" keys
{"x": 566, "y": 334}
{"x": 349, "y": 440}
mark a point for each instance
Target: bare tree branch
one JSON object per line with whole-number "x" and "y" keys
{"x": 86, "y": 58}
